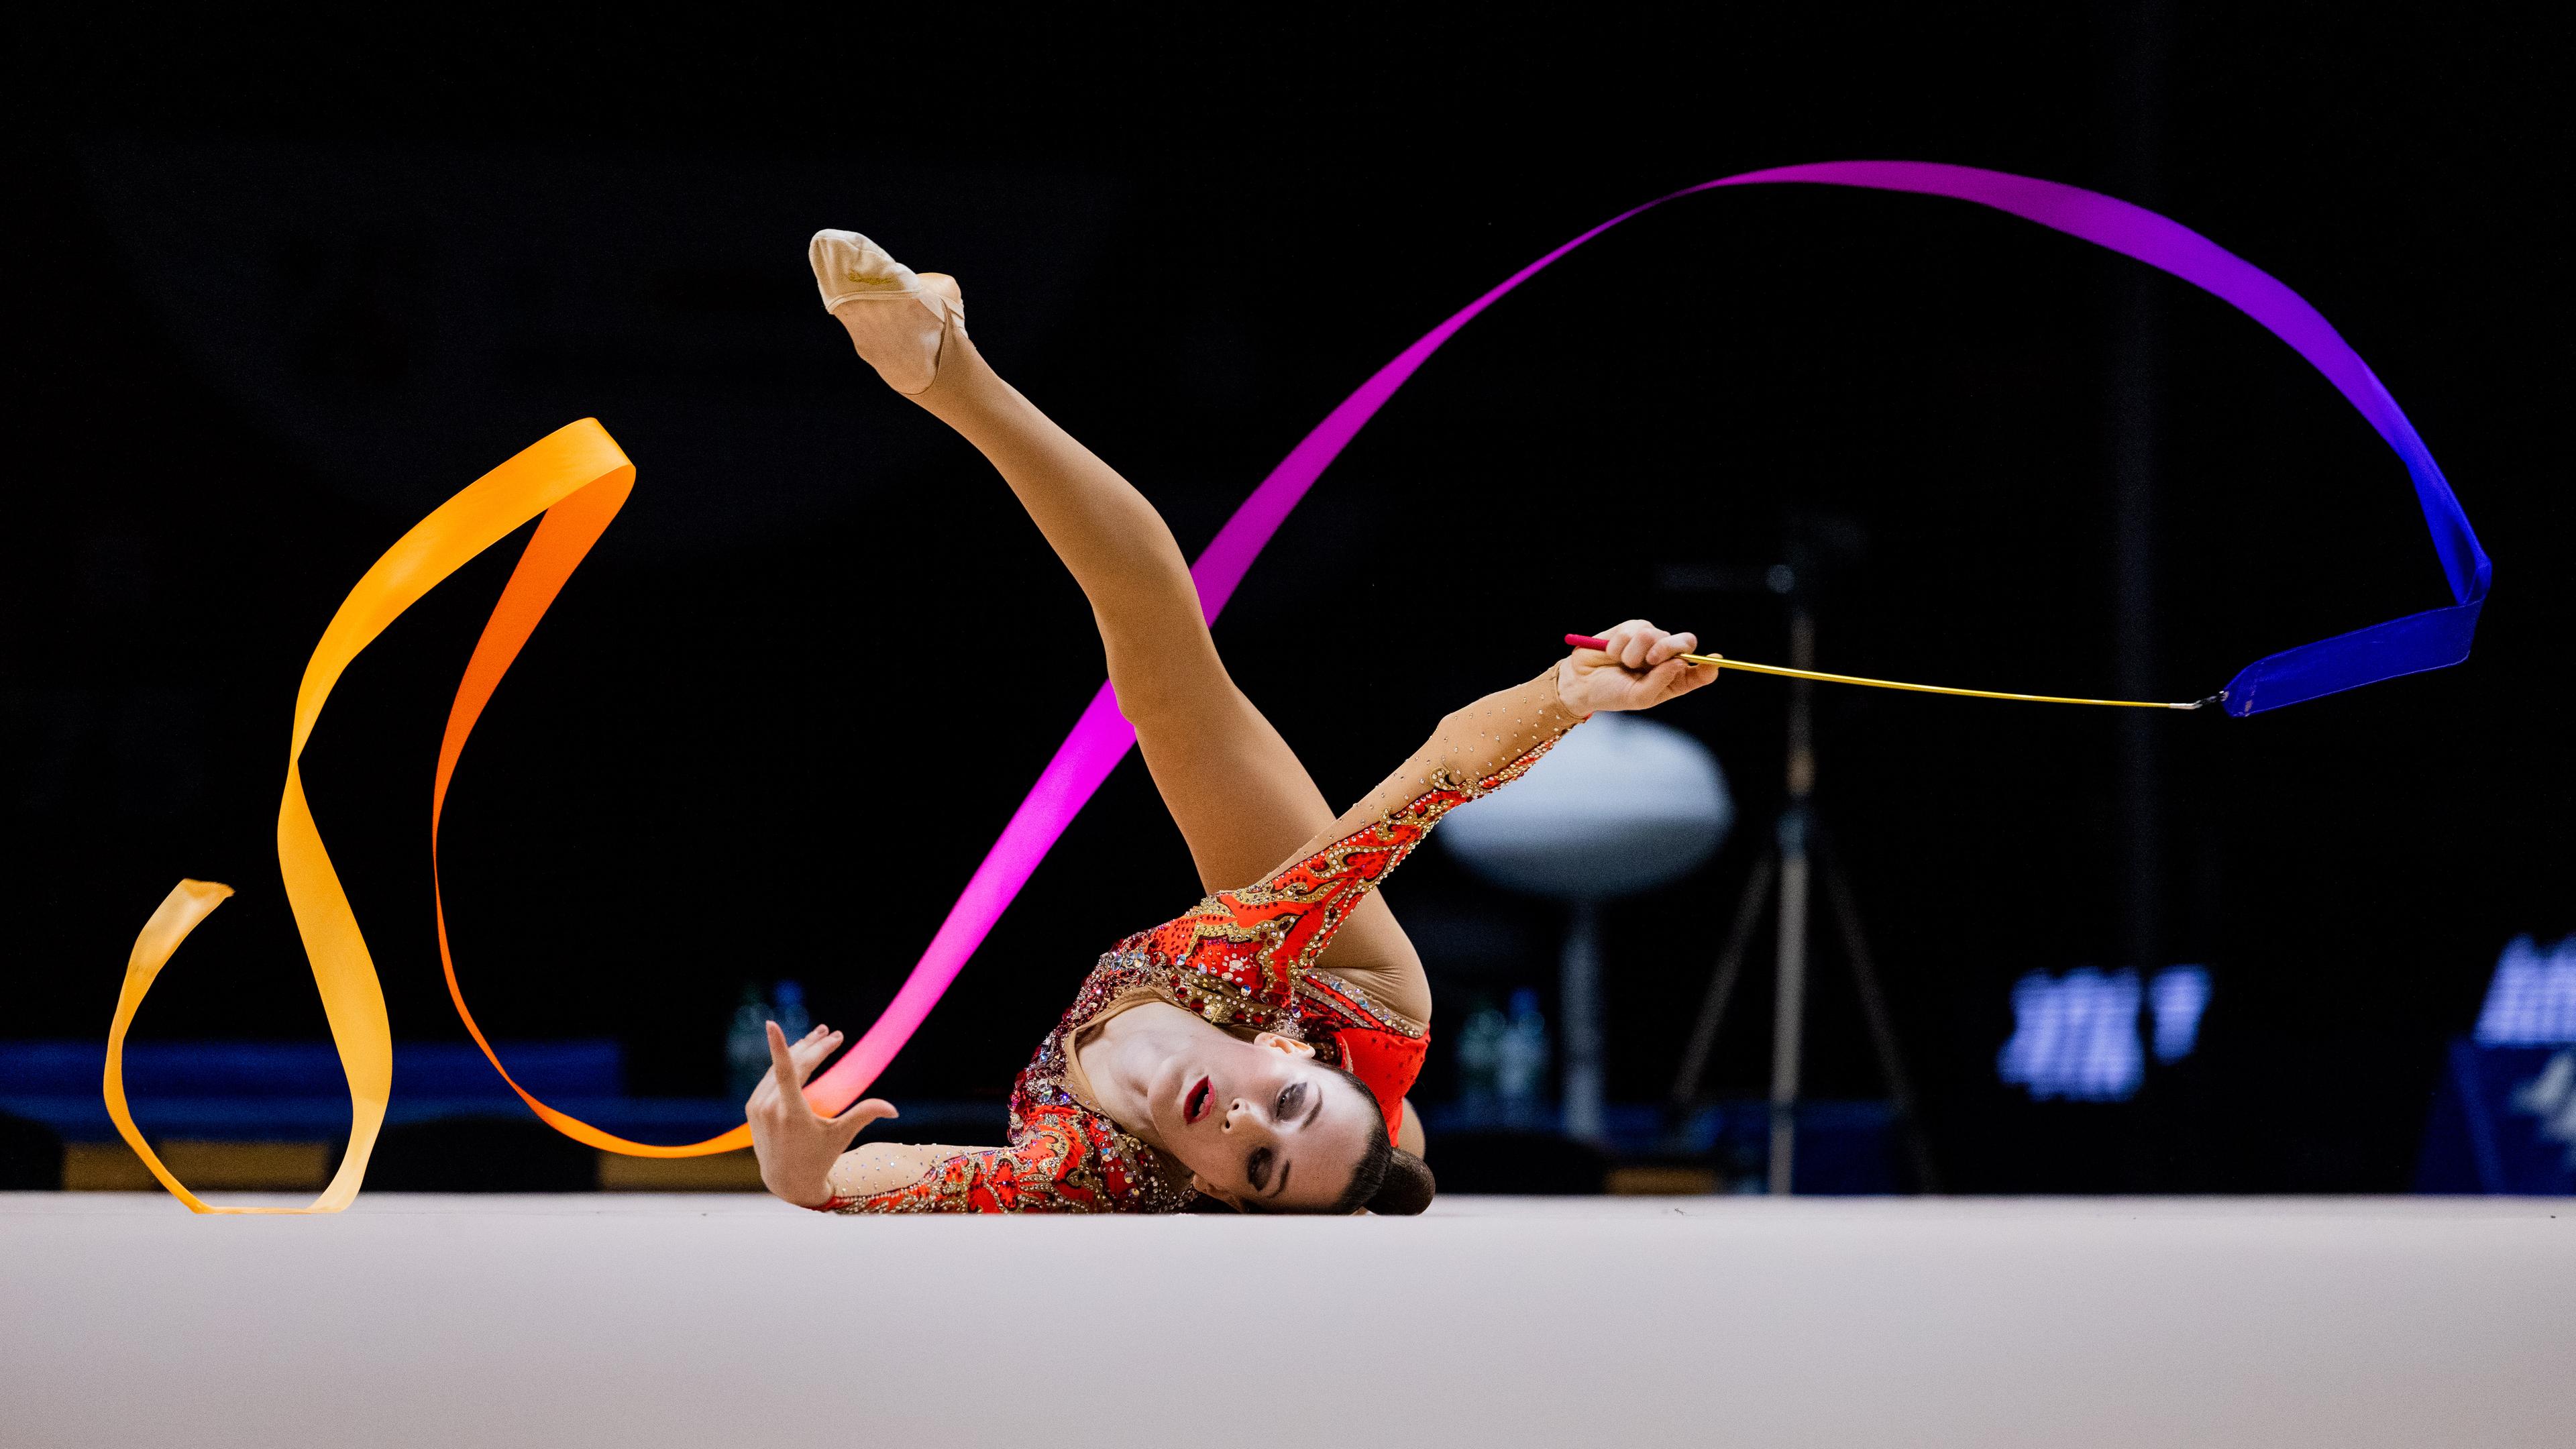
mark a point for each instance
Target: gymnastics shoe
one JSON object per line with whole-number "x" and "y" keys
{"x": 898, "y": 319}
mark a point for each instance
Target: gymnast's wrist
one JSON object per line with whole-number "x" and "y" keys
{"x": 818, "y": 1194}
{"x": 1569, "y": 691}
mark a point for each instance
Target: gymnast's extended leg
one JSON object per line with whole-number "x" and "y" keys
{"x": 1240, "y": 795}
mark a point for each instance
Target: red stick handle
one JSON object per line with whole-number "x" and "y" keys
{"x": 1586, "y": 641}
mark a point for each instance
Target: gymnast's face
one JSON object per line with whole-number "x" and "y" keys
{"x": 1262, "y": 1123}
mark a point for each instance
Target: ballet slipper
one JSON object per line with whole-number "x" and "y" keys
{"x": 897, "y": 318}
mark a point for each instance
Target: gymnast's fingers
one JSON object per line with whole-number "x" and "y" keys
{"x": 1692, "y": 676}
{"x": 856, "y": 1118}
{"x": 860, "y": 1114}
{"x": 1669, "y": 645}
{"x": 782, "y": 1070}
{"x": 809, "y": 1053}
{"x": 1636, "y": 641}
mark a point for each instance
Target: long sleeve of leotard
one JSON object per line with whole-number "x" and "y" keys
{"x": 1475, "y": 751}
{"x": 1290, "y": 916}
{"x": 1051, "y": 1168}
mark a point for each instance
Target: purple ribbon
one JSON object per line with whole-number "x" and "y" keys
{"x": 1102, "y": 737}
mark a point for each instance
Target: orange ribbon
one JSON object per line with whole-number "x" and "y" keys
{"x": 577, "y": 478}
{"x": 561, "y": 541}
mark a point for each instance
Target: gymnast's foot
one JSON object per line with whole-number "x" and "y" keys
{"x": 897, "y": 319}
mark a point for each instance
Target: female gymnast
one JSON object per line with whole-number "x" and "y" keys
{"x": 1257, "y": 1049}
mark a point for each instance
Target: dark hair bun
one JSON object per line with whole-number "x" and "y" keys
{"x": 1407, "y": 1188}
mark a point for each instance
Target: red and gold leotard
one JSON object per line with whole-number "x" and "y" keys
{"x": 1244, "y": 960}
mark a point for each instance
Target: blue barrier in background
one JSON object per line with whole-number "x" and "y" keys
{"x": 271, "y": 1091}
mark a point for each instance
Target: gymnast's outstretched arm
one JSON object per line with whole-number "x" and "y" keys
{"x": 1640, "y": 668}
{"x": 806, "y": 1158}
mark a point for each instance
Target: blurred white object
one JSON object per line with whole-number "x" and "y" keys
{"x": 1619, "y": 806}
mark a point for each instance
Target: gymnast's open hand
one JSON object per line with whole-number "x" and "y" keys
{"x": 797, "y": 1145}
{"x": 1640, "y": 669}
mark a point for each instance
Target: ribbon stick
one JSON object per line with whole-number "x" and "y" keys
{"x": 1586, "y": 641}
{"x": 2402, "y": 646}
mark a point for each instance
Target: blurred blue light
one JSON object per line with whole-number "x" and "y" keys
{"x": 2532, "y": 1000}
{"x": 2177, "y": 996}
{"x": 2074, "y": 1036}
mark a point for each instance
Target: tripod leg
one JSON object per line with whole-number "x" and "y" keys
{"x": 1882, "y": 1029}
{"x": 1721, "y": 986}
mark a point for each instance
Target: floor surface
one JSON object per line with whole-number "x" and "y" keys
{"x": 634, "y": 1320}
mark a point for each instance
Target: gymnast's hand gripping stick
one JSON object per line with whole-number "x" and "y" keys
{"x": 1586, "y": 641}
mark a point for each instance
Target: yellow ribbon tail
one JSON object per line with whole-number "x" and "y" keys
{"x": 576, "y": 479}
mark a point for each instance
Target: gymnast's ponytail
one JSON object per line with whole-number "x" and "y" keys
{"x": 1407, "y": 1187}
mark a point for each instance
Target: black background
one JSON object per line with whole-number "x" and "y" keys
{"x": 772, "y": 725}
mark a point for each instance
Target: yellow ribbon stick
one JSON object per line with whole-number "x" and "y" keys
{"x": 577, "y": 477}
{"x": 1723, "y": 662}
{"x": 1720, "y": 661}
